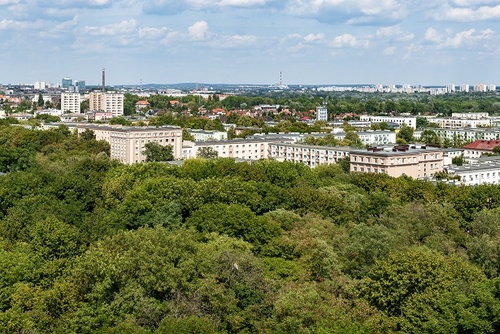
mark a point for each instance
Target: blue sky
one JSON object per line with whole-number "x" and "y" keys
{"x": 251, "y": 41}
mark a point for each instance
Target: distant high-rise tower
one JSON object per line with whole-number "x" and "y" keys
{"x": 103, "y": 79}
{"x": 66, "y": 82}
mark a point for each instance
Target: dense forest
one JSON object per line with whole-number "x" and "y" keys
{"x": 213, "y": 246}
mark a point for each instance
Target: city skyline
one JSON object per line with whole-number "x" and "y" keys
{"x": 251, "y": 41}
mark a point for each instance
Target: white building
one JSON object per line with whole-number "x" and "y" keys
{"x": 309, "y": 155}
{"x": 206, "y": 135}
{"x": 245, "y": 149}
{"x": 70, "y": 103}
{"x": 409, "y": 121}
{"x": 473, "y": 175}
{"x": 372, "y": 137}
{"x": 321, "y": 113}
{"x": 451, "y": 123}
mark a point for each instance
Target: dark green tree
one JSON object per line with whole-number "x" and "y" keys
{"x": 157, "y": 152}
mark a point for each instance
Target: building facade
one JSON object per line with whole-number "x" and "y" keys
{"x": 107, "y": 102}
{"x": 244, "y": 149}
{"x": 409, "y": 121}
{"x": 128, "y": 143}
{"x": 206, "y": 135}
{"x": 473, "y": 175}
{"x": 309, "y": 155}
{"x": 414, "y": 161}
{"x": 479, "y": 147}
{"x": 321, "y": 113}
{"x": 70, "y": 103}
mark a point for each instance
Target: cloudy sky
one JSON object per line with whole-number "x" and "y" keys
{"x": 251, "y": 41}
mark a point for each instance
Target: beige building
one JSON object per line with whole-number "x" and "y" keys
{"x": 128, "y": 143}
{"x": 107, "y": 102}
{"x": 70, "y": 103}
{"x": 414, "y": 161}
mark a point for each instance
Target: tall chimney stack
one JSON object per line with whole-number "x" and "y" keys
{"x": 103, "y": 80}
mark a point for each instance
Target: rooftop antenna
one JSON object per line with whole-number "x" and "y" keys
{"x": 103, "y": 80}
{"x": 281, "y": 78}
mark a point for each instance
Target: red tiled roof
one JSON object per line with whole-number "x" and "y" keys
{"x": 485, "y": 145}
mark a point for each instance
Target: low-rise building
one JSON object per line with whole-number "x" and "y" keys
{"x": 416, "y": 161}
{"x": 476, "y": 174}
{"x": 245, "y": 149}
{"x": 409, "y": 121}
{"x": 310, "y": 155}
{"x": 206, "y": 135}
{"x": 479, "y": 148}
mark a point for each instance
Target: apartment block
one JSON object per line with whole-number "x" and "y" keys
{"x": 453, "y": 123}
{"x": 321, "y": 114}
{"x": 245, "y": 149}
{"x": 206, "y": 135}
{"x": 473, "y": 175}
{"x": 409, "y": 121}
{"x": 416, "y": 161}
{"x": 128, "y": 143}
{"x": 108, "y": 102}
{"x": 479, "y": 147}
{"x": 70, "y": 103}
{"x": 309, "y": 155}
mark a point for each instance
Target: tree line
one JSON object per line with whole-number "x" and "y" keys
{"x": 214, "y": 246}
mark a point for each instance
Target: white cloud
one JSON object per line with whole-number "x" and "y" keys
{"x": 463, "y": 39}
{"x": 123, "y": 27}
{"x": 198, "y": 30}
{"x": 432, "y": 35}
{"x": 233, "y": 41}
{"x": 468, "y": 14}
{"x": 311, "y": 38}
{"x": 9, "y": 2}
{"x": 394, "y": 33}
{"x": 348, "y": 40}
{"x": 353, "y": 12}
{"x": 467, "y": 38}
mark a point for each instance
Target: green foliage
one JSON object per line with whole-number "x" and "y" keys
{"x": 88, "y": 245}
{"x": 405, "y": 134}
{"x": 207, "y": 153}
{"x": 157, "y": 152}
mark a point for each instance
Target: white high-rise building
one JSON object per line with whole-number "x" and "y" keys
{"x": 39, "y": 85}
{"x": 450, "y": 88}
{"x": 107, "y": 102}
{"x": 464, "y": 88}
{"x": 70, "y": 103}
{"x": 321, "y": 113}
{"x": 480, "y": 87}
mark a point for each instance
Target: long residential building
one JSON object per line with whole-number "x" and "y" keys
{"x": 416, "y": 161}
{"x": 409, "y": 121}
{"x": 128, "y": 143}
{"x": 476, "y": 174}
{"x": 244, "y": 149}
{"x": 309, "y": 155}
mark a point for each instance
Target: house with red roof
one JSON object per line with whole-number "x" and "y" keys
{"x": 142, "y": 105}
{"x": 479, "y": 147}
